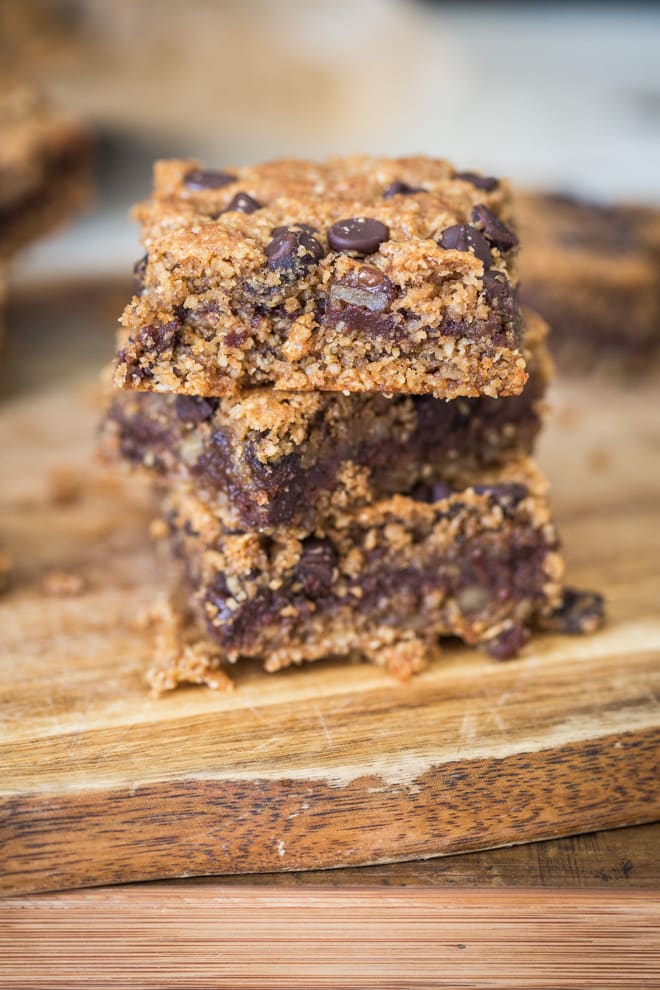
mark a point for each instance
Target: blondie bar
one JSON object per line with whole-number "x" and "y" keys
{"x": 593, "y": 272}
{"x": 272, "y": 458}
{"x": 383, "y": 582}
{"x": 359, "y": 274}
{"x": 45, "y": 165}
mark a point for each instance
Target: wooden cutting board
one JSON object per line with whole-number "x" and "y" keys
{"x": 333, "y": 764}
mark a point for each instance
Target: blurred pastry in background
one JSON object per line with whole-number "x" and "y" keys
{"x": 593, "y": 272}
{"x": 45, "y": 164}
{"x": 43, "y": 31}
{"x": 237, "y": 79}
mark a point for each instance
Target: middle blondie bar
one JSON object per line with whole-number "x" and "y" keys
{"x": 269, "y": 458}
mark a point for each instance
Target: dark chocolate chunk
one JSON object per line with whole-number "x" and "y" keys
{"x": 139, "y": 272}
{"x": 293, "y": 248}
{"x": 431, "y": 492}
{"x": 368, "y": 322}
{"x": 363, "y": 235}
{"x": 207, "y": 178}
{"x": 316, "y": 565}
{"x": 399, "y": 188}
{"x": 217, "y": 596}
{"x": 485, "y": 182}
{"x": 194, "y": 409}
{"x": 156, "y": 338}
{"x": 509, "y": 493}
{"x": 499, "y": 294}
{"x": 243, "y": 203}
{"x": 508, "y": 643}
{"x": 495, "y": 231}
{"x": 580, "y": 612}
{"x": 462, "y": 237}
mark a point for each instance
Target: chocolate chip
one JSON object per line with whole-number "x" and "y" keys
{"x": 242, "y": 203}
{"x": 139, "y": 272}
{"x": 399, "y": 188}
{"x": 580, "y": 612}
{"x": 372, "y": 278}
{"x": 508, "y": 643}
{"x": 497, "y": 289}
{"x": 510, "y": 493}
{"x": 360, "y": 234}
{"x": 316, "y": 565}
{"x": 293, "y": 248}
{"x": 485, "y": 182}
{"x": 209, "y": 178}
{"x": 307, "y": 227}
{"x": 431, "y": 492}
{"x": 497, "y": 232}
{"x": 498, "y": 293}
{"x": 194, "y": 409}
{"x": 462, "y": 237}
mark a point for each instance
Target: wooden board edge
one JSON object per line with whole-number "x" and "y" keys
{"x": 207, "y": 826}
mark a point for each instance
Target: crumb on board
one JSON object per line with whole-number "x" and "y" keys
{"x": 63, "y": 584}
{"x": 404, "y": 659}
{"x": 567, "y": 417}
{"x": 180, "y": 655}
{"x": 158, "y": 529}
{"x": 65, "y": 485}
{"x": 598, "y": 460}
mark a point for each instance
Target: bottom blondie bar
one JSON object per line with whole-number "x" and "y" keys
{"x": 383, "y": 582}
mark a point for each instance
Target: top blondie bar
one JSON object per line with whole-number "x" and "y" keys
{"x": 359, "y": 274}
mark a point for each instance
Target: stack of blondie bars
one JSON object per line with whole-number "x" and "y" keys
{"x": 326, "y": 373}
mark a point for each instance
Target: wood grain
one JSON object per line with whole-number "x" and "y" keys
{"x": 553, "y": 940}
{"x": 615, "y": 859}
{"x": 326, "y": 766}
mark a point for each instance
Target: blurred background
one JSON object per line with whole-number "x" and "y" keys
{"x": 564, "y": 96}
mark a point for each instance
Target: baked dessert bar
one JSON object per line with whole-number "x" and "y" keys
{"x": 358, "y": 274}
{"x": 593, "y": 272}
{"x": 45, "y": 165}
{"x": 383, "y": 582}
{"x": 272, "y": 458}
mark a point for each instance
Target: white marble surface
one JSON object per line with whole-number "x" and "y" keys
{"x": 565, "y": 96}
